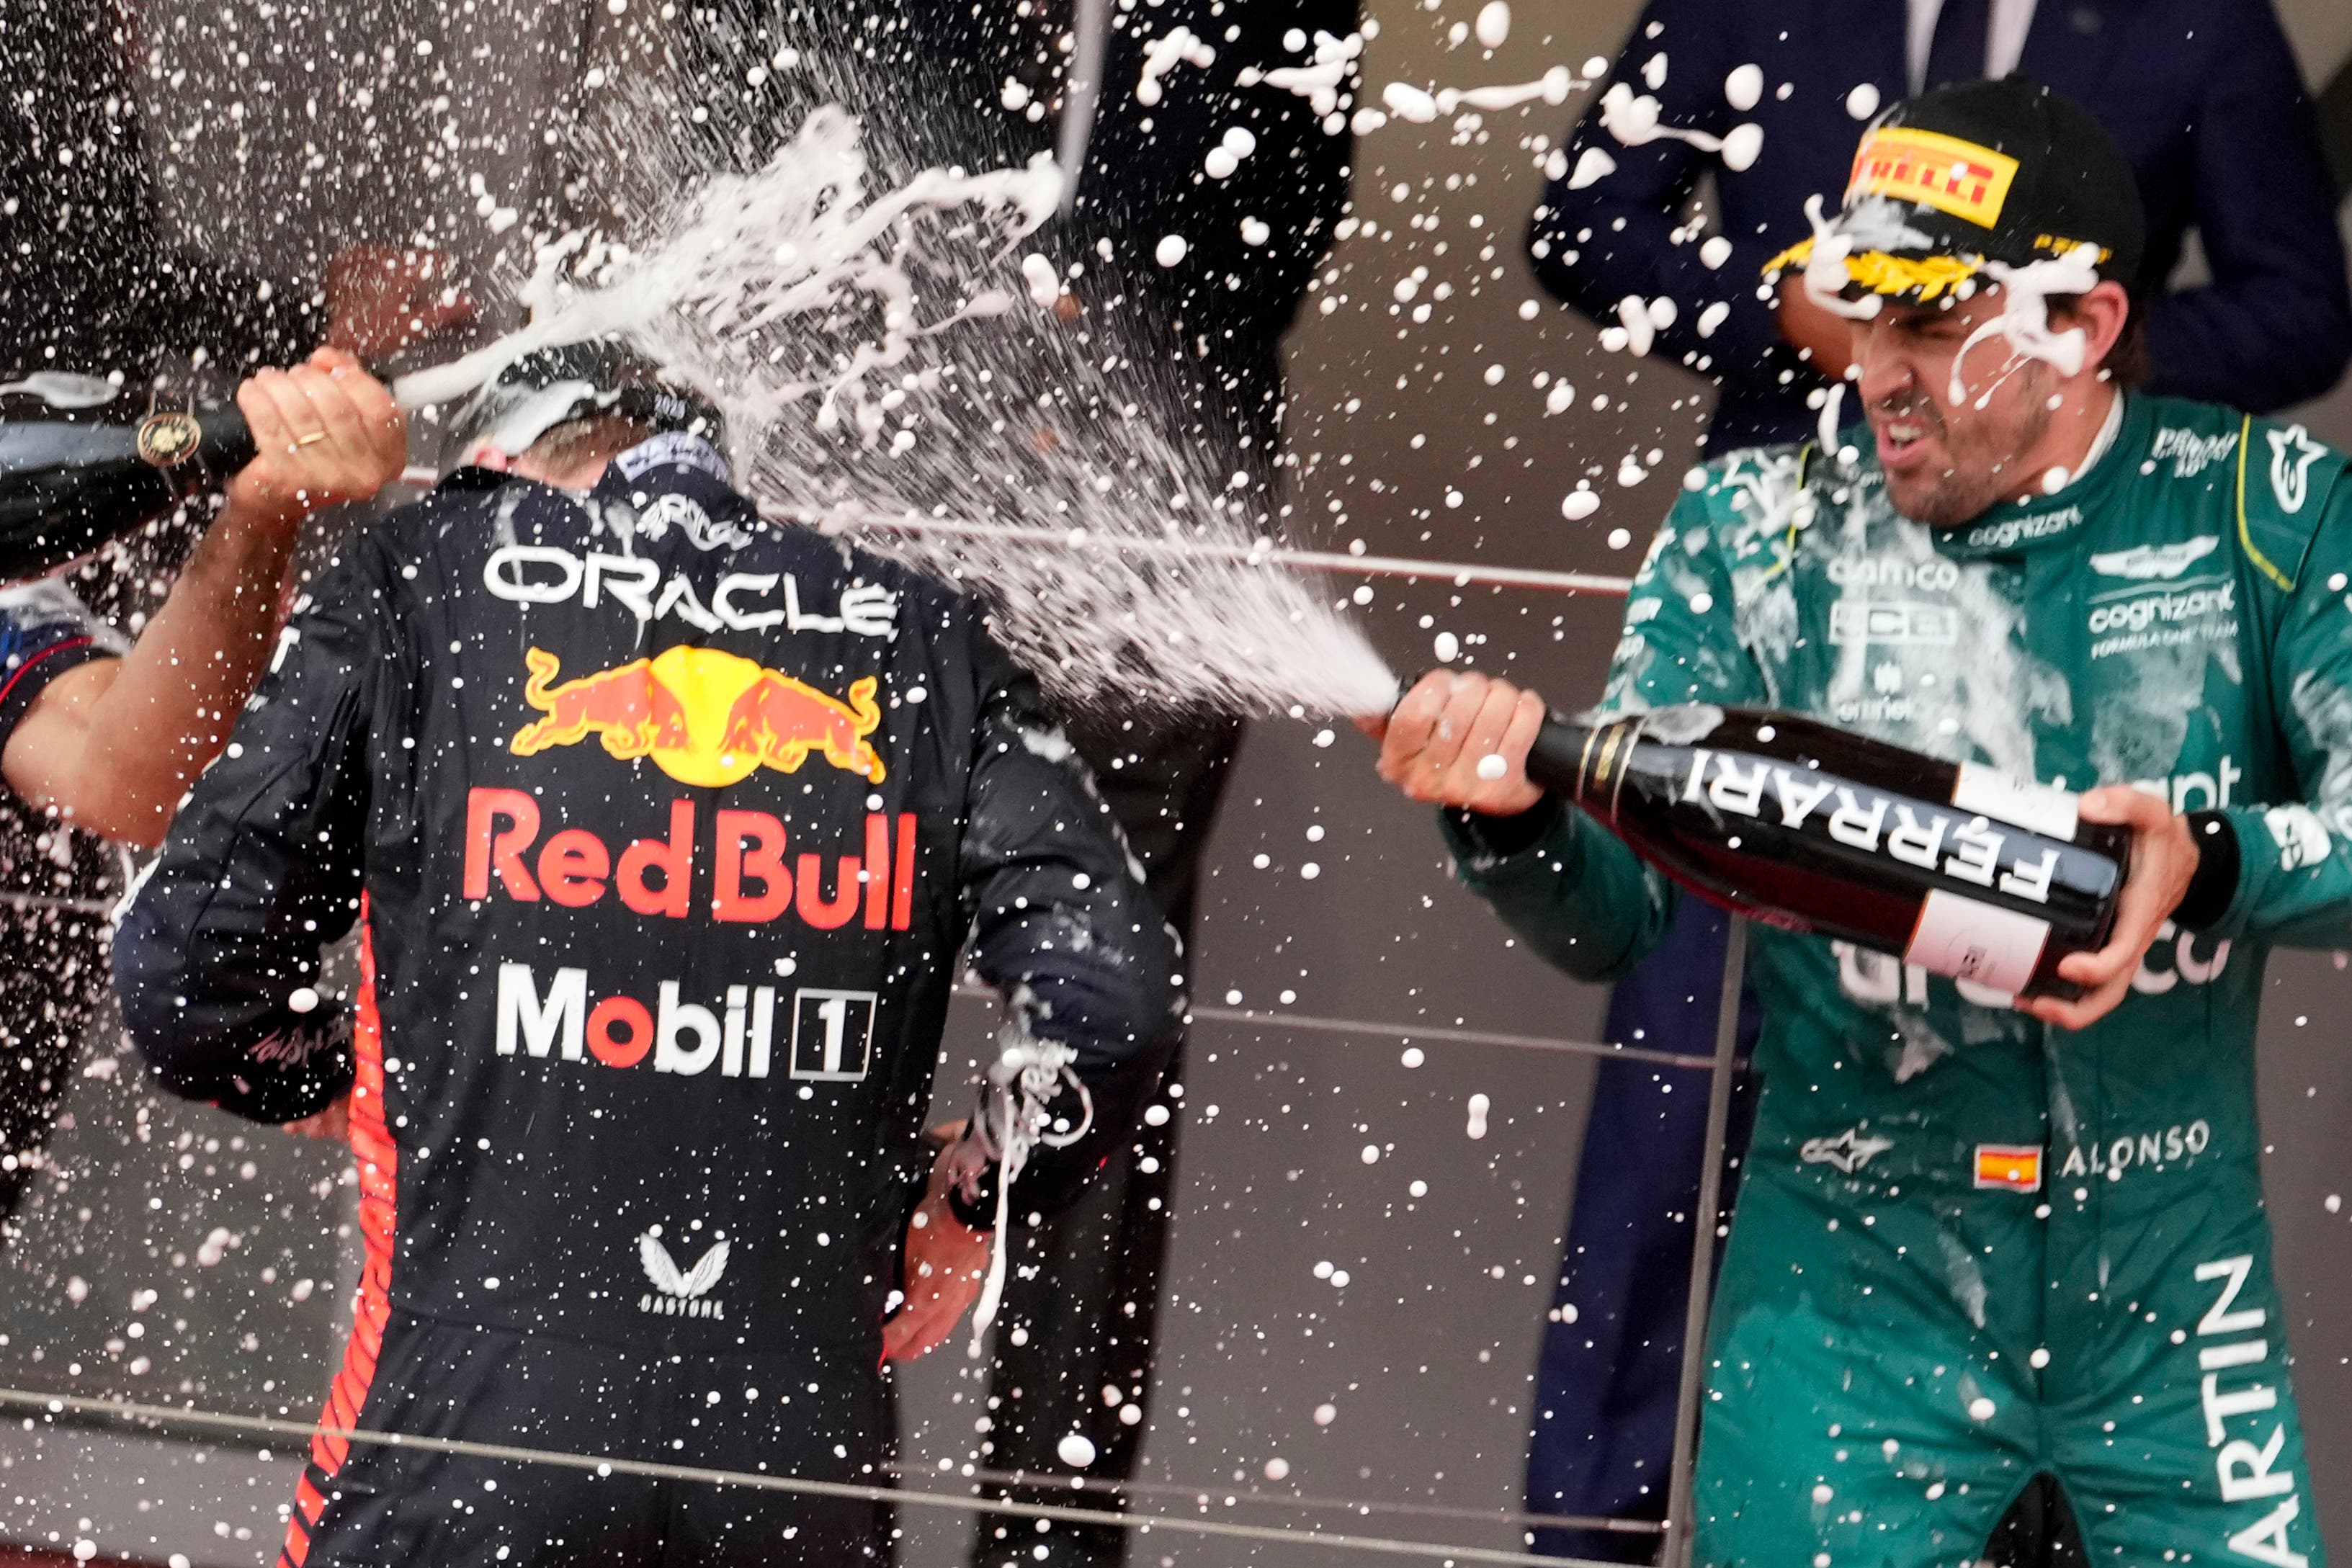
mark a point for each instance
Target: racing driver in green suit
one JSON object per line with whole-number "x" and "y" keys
{"x": 1999, "y": 1285}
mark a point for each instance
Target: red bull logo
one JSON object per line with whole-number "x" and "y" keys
{"x": 705, "y": 716}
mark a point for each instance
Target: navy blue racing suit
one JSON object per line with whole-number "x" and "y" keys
{"x": 663, "y": 828}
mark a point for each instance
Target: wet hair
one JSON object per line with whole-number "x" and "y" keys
{"x": 563, "y": 447}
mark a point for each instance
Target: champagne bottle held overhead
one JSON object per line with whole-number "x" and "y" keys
{"x": 1958, "y": 868}
{"x": 75, "y": 474}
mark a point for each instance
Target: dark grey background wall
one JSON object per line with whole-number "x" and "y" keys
{"x": 1423, "y": 1357}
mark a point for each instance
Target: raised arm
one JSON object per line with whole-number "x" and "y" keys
{"x": 111, "y": 744}
{"x": 216, "y": 960}
{"x": 1578, "y": 896}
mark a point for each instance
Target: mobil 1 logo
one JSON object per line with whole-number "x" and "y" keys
{"x": 833, "y": 1035}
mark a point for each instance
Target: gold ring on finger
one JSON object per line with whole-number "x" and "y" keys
{"x": 310, "y": 440}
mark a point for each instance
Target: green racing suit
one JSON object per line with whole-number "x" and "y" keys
{"x": 1973, "y": 1253}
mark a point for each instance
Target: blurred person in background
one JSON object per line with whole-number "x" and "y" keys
{"x": 1999, "y": 1288}
{"x": 637, "y": 1095}
{"x": 2209, "y": 107}
{"x": 96, "y": 303}
{"x": 1209, "y": 203}
{"x": 1253, "y": 228}
{"x": 100, "y": 735}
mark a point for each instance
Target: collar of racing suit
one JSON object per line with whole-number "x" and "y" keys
{"x": 2053, "y": 521}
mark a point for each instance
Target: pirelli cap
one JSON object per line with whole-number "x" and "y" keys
{"x": 567, "y": 381}
{"x": 1980, "y": 171}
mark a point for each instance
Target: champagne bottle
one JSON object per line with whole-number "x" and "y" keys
{"x": 1958, "y": 868}
{"x": 71, "y": 479}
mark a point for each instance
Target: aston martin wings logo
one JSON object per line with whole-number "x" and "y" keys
{"x": 2143, "y": 561}
{"x": 682, "y": 1294}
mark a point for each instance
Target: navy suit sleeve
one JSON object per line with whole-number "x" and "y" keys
{"x": 216, "y": 960}
{"x": 1631, "y": 211}
{"x": 2274, "y": 327}
{"x": 1062, "y": 926}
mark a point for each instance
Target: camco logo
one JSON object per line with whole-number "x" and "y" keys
{"x": 1937, "y": 576}
{"x": 676, "y": 1294}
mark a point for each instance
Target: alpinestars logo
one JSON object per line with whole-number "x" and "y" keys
{"x": 1849, "y": 1151}
{"x": 2292, "y": 454}
{"x": 676, "y": 1294}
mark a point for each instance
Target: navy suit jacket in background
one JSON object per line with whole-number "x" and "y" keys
{"x": 2204, "y": 97}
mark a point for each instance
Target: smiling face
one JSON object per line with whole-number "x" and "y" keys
{"x": 1946, "y": 461}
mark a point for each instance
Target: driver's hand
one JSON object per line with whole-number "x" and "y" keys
{"x": 2163, "y": 858}
{"x": 1460, "y": 738}
{"x": 324, "y": 433}
{"x": 946, "y": 1262}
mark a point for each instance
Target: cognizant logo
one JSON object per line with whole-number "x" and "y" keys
{"x": 2138, "y": 613}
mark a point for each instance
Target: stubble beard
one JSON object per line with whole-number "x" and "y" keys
{"x": 1982, "y": 452}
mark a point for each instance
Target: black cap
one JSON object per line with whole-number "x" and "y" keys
{"x": 584, "y": 380}
{"x": 2003, "y": 170}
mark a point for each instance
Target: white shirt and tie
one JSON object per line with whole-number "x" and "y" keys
{"x": 2004, "y": 42}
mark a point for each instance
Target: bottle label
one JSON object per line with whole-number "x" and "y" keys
{"x": 167, "y": 438}
{"x": 2040, "y": 808}
{"x": 1982, "y": 943}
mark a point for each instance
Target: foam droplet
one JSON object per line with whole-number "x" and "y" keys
{"x": 1169, "y": 251}
{"x": 1479, "y": 1106}
{"x": 1277, "y": 1468}
{"x": 1744, "y": 88}
{"x": 1326, "y": 1414}
{"x": 1493, "y": 766}
{"x": 1741, "y": 147}
{"x": 1076, "y": 1450}
{"x": 1579, "y": 505}
{"x": 1863, "y": 101}
{"x": 1592, "y": 166}
{"x": 1446, "y": 646}
{"x": 1714, "y": 251}
{"x": 1494, "y": 24}
{"x": 1413, "y": 1057}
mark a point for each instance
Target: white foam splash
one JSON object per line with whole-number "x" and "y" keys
{"x": 1178, "y": 45}
{"x": 879, "y": 365}
{"x": 2024, "y": 319}
{"x": 1633, "y": 120}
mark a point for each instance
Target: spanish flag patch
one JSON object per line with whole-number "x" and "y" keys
{"x": 2015, "y": 1166}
